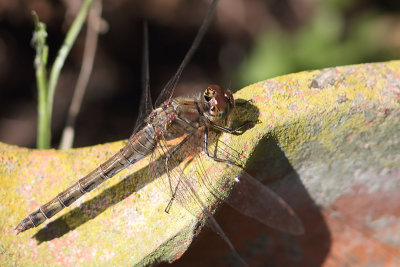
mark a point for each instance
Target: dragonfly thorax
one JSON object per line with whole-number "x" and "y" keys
{"x": 218, "y": 103}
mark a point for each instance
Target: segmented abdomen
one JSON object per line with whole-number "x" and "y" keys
{"x": 139, "y": 146}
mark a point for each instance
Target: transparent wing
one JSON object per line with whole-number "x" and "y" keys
{"x": 145, "y": 106}
{"x": 172, "y": 180}
{"x": 247, "y": 194}
{"x": 183, "y": 187}
{"x": 169, "y": 88}
{"x": 193, "y": 176}
{"x": 255, "y": 200}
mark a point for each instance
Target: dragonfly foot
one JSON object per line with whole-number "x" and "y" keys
{"x": 168, "y": 208}
{"x": 244, "y": 102}
{"x": 251, "y": 124}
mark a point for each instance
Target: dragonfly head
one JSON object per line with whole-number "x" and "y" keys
{"x": 219, "y": 102}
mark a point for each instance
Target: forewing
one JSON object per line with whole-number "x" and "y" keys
{"x": 255, "y": 200}
{"x": 183, "y": 187}
{"x": 169, "y": 88}
{"x": 248, "y": 196}
{"x": 172, "y": 180}
{"x": 145, "y": 106}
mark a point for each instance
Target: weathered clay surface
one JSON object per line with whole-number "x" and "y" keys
{"x": 113, "y": 224}
{"x": 327, "y": 142}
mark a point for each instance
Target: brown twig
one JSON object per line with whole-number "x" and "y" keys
{"x": 93, "y": 29}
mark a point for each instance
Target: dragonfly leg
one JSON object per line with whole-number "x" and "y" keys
{"x": 232, "y": 130}
{"x": 168, "y": 157}
{"x": 243, "y": 103}
{"x": 213, "y": 156}
{"x": 169, "y": 205}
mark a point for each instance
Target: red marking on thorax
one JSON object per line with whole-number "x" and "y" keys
{"x": 152, "y": 115}
{"x": 171, "y": 116}
{"x": 158, "y": 131}
{"x": 167, "y": 102}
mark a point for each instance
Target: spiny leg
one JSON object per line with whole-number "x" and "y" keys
{"x": 213, "y": 156}
{"x": 249, "y": 124}
{"x": 244, "y": 102}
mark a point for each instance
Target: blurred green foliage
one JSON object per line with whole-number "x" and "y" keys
{"x": 328, "y": 39}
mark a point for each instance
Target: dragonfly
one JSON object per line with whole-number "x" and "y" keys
{"x": 192, "y": 120}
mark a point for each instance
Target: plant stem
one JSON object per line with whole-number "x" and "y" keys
{"x": 44, "y": 134}
{"x": 46, "y": 93}
{"x": 39, "y": 41}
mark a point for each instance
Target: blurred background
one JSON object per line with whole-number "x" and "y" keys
{"x": 248, "y": 41}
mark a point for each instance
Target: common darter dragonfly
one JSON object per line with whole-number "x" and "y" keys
{"x": 189, "y": 120}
